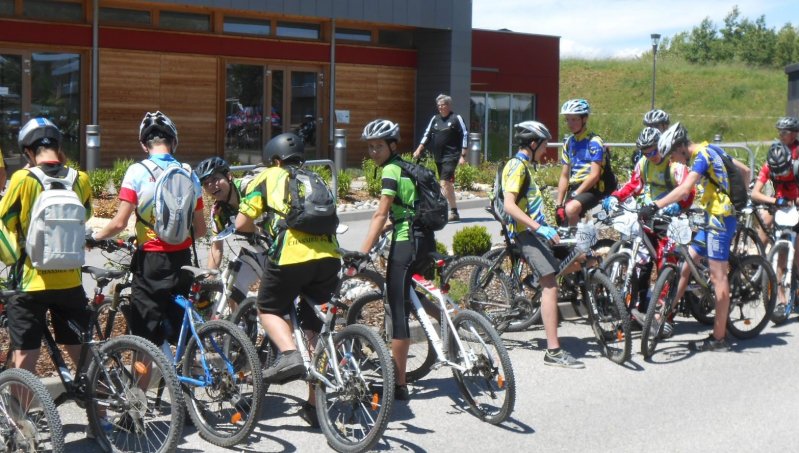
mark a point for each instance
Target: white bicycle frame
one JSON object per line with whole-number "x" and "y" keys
{"x": 785, "y": 219}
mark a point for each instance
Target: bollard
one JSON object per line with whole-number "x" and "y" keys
{"x": 475, "y": 149}
{"x": 717, "y": 138}
{"x": 340, "y": 150}
{"x": 92, "y": 146}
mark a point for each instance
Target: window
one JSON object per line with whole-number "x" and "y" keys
{"x": 349, "y": 34}
{"x": 493, "y": 115}
{"x": 185, "y": 21}
{"x": 125, "y": 16}
{"x": 294, "y": 30}
{"x": 247, "y": 26}
{"x": 6, "y": 7}
{"x": 396, "y": 38}
{"x": 53, "y": 10}
{"x": 55, "y": 94}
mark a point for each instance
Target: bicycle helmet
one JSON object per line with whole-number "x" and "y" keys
{"x": 779, "y": 159}
{"x": 158, "y": 125}
{"x": 788, "y": 123}
{"x": 286, "y": 147}
{"x": 210, "y": 166}
{"x": 381, "y": 129}
{"x": 529, "y": 131}
{"x": 38, "y": 132}
{"x": 648, "y": 137}
{"x": 655, "y": 117}
{"x": 575, "y": 107}
{"x": 673, "y": 136}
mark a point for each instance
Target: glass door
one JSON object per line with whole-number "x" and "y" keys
{"x": 10, "y": 102}
{"x": 244, "y": 101}
{"x": 303, "y": 110}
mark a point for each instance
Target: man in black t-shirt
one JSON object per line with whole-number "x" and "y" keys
{"x": 446, "y": 138}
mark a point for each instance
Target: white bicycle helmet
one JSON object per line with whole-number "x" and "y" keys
{"x": 575, "y": 107}
{"x": 655, "y": 117}
{"x": 648, "y": 137}
{"x": 674, "y": 135}
{"x": 788, "y": 123}
{"x": 528, "y": 131}
{"x": 381, "y": 129}
{"x": 39, "y": 131}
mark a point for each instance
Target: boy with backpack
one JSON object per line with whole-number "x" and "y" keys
{"x": 49, "y": 278}
{"x": 167, "y": 200}
{"x": 303, "y": 257}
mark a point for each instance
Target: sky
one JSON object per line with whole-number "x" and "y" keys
{"x": 619, "y": 28}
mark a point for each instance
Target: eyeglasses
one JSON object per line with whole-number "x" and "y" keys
{"x": 786, "y": 132}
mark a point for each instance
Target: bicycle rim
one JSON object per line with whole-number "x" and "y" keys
{"x": 659, "y": 308}
{"x": 472, "y": 286}
{"x": 29, "y": 421}
{"x": 752, "y": 297}
{"x": 611, "y": 323}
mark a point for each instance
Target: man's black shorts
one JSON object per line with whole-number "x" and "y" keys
{"x": 27, "y": 316}
{"x": 446, "y": 168}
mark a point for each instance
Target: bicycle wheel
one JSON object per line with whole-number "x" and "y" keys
{"x": 354, "y": 416}
{"x": 364, "y": 282}
{"x": 781, "y": 250}
{"x": 608, "y": 317}
{"x": 616, "y": 267}
{"x": 488, "y": 385}
{"x": 657, "y": 313}
{"x": 472, "y": 286}
{"x": 136, "y": 403}
{"x": 29, "y": 421}
{"x": 606, "y": 247}
{"x": 225, "y": 407}
{"x": 747, "y": 242}
{"x": 512, "y": 271}
{"x": 370, "y": 310}
{"x": 752, "y": 296}
{"x": 118, "y": 323}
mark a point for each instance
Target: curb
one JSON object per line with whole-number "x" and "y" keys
{"x": 53, "y": 385}
{"x": 354, "y": 216}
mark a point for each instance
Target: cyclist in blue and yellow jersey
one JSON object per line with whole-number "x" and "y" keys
{"x": 657, "y": 119}
{"x": 583, "y": 157}
{"x": 297, "y": 263}
{"x": 707, "y": 170}
{"x": 59, "y": 291}
{"x": 410, "y": 245}
{"x": 529, "y": 230}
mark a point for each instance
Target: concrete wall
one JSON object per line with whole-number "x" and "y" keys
{"x": 792, "y": 108}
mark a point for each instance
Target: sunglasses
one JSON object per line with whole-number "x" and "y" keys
{"x": 786, "y": 132}
{"x": 651, "y": 153}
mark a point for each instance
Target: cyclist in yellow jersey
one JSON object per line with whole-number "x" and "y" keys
{"x": 297, "y": 263}
{"x": 59, "y": 291}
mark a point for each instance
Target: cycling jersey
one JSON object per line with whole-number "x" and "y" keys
{"x": 138, "y": 188}
{"x": 267, "y": 192}
{"x": 648, "y": 180}
{"x": 222, "y": 213}
{"x": 707, "y": 162}
{"x": 2, "y": 161}
{"x": 397, "y": 185}
{"x": 15, "y": 212}
{"x": 447, "y": 135}
{"x": 784, "y": 186}
{"x": 531, "y": 203}
{"x": 579, "y": 152}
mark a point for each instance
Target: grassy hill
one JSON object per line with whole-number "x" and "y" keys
{"x": 737, "y": 101}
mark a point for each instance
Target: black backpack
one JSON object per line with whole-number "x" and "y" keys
{"x": 608, "y": 178}
{"x": 431, "y": 206}
{"x": 312, "y": 207}
{"x": 737, "y": 189}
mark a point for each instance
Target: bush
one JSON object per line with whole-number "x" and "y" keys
{"x": 473, "y": 240}
{"x": 98, "y": 180}
{"x": 441, "y": 248}
{"x": 118, "y": 171}
{"x": 487, "y": 172}
{"x": 372, "y": 175}
{"x": 465, "y": 176}
{"x": 344, "y": 184}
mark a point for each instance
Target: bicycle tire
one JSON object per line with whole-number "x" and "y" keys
{"x": 606, "y": 247}
{"x": 246, "y": 318}
{"x": 367, "y": 394}
{"x": 520, "y": 289}
{"x": 703, "y": 308}
{"x": 611, "y": 322}
{"x": 660, "y": 303}
{"x": 489, "y": 387}
{"x": 119, "y": 324}
{"x": 616, "y": 267}
{"x": 752, "y": 299}
{"x": 747, "y": 242}
{"x": 364, "y": 282}
{"x": 118, "y": 384}
{"x": 225, "y": 346}
{"x": 472, "y": 287}
{"x": 28, "y": 416}
{"x": 370, "y": 310}
{"x": 782, "y": 316}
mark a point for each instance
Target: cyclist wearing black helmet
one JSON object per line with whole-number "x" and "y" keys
{"x": 156, "y": 263}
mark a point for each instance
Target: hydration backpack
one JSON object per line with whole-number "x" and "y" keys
{"x": 57, "y": 231}
{"x": 431, "y": 206}
{"x": 312, "y": 206}
{"x": 737, "y": 189}
{"x": 497, "y": 195}
{"x": 174, "y": 199}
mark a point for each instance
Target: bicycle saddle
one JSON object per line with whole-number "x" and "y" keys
{"x": 200, "y": 273}
{"x": 99, "y": 273}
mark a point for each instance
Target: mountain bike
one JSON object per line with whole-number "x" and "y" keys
{"x": 783, "y": 250}
{"x": 29, "y": 421}
{"x": 112, "y": 313}
{"x": 351, "y": 369}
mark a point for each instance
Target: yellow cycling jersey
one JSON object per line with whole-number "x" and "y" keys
{"x": 707, "y": 162}
{"x": 268, "y": 192}
{"x": 15, "y": 211}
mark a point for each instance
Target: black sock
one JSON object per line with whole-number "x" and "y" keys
{"x": 454, "y": 210}
{"x": 553, "y": 351}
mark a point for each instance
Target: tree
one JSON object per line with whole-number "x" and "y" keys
{"x": 731, "y": 35}
{"x": 702, "y": 46}
{"x": 757, "y": 42}
{"x": 785, "y": 48}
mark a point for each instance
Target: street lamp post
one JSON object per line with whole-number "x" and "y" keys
{"x": 655, "y": 41}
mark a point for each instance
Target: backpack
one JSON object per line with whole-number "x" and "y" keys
{"x": 312, "y": 206}
{"x": 431, "y": 206}
{"x": 608, "y": 177}
{"x": 737, "y": 189}
{"x": 497, "y": 195}
{"x": 174, "y": 199}
{"x": 57, "y": 231}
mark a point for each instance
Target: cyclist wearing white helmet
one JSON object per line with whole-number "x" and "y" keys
{"x": 788, "y": 128}
{"x": 410, "y": 246}
{"x": 657, "y": 119}
{"x": 582, "y": 156}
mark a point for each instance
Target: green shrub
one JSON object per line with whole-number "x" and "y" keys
{"x": 344, "y": 184}
{"x": 465, "y": 177}
{"x": 118, "y": 171}
{"x": 441, "y": 248}
{"x": 487, "y": 172}
{"x": 98, "y": 180}
{"x": 323, "y": 171}
{"x": 372, "y": 175}
{"x": 473, "y": 240}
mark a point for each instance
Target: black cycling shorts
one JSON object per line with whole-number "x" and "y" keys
{"x": 588, "y": 200}
{"x": 27, "y": 316}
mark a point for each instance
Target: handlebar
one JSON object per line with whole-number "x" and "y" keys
{"x": 112, "y": 245}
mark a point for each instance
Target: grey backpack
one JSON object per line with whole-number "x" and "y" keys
{"x": 174, "y": 199}
{"x": 57, "y": 231}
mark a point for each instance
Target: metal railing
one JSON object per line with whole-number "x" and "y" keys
{"x": 326, "y": 162}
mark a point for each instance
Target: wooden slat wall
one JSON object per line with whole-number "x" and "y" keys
{"x": 370, "y": 92}
{"x": 184, "y": 87}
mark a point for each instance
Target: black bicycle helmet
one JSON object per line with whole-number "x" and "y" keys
{"x": 673, "y": 136}
{"x": 287, "y": 147}
{"x": 779, "y": 159}
{"x": 158, "y": 125}
{"x": 381, "y": 129}
{"x": 788, "y": 123}
{"x": 39, "y": 132}
{"x": 648, "y": 137}
{"x": 529, "y": 131}
{"x": 210, "y": 166}
{"x": 656, "y": 117}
